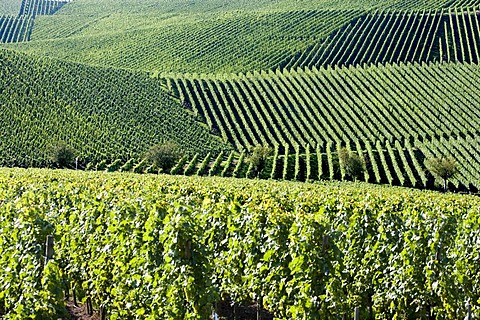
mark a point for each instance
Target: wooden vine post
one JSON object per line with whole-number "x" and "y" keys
{"x": 357, "y": 313}
{"x": 325, "y": 243}
{"x": 49, "y": 249}
{"x": 103, "y": 313}
{"x": 89, "y": 306}
{"x": 259, "y": 308}
{"x": 188, "y": 250}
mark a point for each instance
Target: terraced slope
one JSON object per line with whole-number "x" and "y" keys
{"x": 104, "y": 114}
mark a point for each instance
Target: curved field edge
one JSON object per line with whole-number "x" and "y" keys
{"x": 169, "y": 247}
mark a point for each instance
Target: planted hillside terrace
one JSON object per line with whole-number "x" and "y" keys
{"x": 311, "y": 106}
{"x": 19, "y": 28}
{"x": 447, "y": 35}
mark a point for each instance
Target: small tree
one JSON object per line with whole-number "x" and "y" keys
{"x": 444, "y": 168}
{"x": 164, "y": 155}
{"x": 258, "y": 157}
{"x": 351, "y": 163}
{"x": 61, "y": 154}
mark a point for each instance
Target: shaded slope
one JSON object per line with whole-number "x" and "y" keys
{"x": 102, "y": 113}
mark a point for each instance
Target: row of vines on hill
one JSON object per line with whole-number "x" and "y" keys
{"x": 420, "y": 101}
{"x": 169, "y": 248}
{"x": 445, "y": 35}
{"x": 19, "y": 28}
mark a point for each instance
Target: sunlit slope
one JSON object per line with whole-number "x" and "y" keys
{"x": 102, "y": 113}
{"x": 345, "y": 104}
{"x": 227, "y": 43}
{"x": 395, "y": 116}
{"x": 207, "y": 36}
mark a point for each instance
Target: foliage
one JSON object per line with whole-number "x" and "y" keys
{"x": 258, "y": 157}
{"x": 444, "y": 168}
{"x": 164, "y": 155}
{"x": 351, "y": 163}
{"x": 169, "y": 247}
{"x": 61, "y": 154}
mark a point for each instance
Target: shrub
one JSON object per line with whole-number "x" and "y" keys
{"x": 444, "y": 168}
{"x": 351, "y": 163}
{"x": 258, "y": 157}
{"x": 164, "y": 156}
{"x": 61, "y": 154}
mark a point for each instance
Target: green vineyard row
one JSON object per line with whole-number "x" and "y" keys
{"x": 170, "y": 247}
{"x": 342, "y": 105}
{"x": 390, "y": 37}
{"x": 15, "y": 29}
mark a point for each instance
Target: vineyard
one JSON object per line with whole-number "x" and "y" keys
{"x": 434, "y": 35}
{"x": 395, "y": 116}
{"x": 104, "y": 114}
{"x": 10, "y": 7}
{"x": 155, "y": 247}
{"x": 211, "y": 36}
{"x": 217, "y": 44}
{"x": 180, "y": 118}
{"x": 18, "y": 27}
{"x": 314, "y": 106}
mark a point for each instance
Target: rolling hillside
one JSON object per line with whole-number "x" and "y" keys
{"x": 104, "y": 114}
{"x": 211, "y": 36}
{"x": 394, "y": 81}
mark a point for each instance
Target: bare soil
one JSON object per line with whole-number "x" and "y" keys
{"x": 80, "y": 312}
